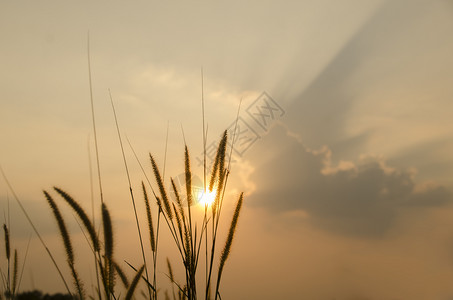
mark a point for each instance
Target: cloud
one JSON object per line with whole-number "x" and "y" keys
{"x": 358, "y": 198}
{"x": 387, "y": 81}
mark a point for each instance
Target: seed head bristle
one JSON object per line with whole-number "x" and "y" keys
{"x": 170, "y": 271}
{"x": 218, "y": 196}
{"x": 219, "y": 161}
{"x": 229, "y": 241}
{"x": 179, "y": 223}
{"x": 108, "y": 244}
{"x": 188, "y": 176}
{"x": 178, "y": 201}
{"x": 62, "y": 226}
{"x": 175, "y": 190}
{"x": 82, "y": 215}
{"x": 67, "y": 243}
{"x": 15, "y": 272}
{"x": 7, "y": 245}
{"x": 121, "y": 274}
{"x": 160, "y": 184}
{"x": 152, "y": 239}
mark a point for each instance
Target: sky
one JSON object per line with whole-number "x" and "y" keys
{"x": 345, "y": 157}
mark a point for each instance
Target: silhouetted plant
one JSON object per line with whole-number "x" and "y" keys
{"x": 187, "y": 236}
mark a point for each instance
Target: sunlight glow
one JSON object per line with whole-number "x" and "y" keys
{"x": 206, "y": 197}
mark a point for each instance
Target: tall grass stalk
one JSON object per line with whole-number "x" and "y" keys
{"x": 95, "y": 252}
{"x": 94, "y": 119}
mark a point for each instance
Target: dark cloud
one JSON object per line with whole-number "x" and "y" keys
{"x": 430, "y": 155}
{"x": 360, "y": 198}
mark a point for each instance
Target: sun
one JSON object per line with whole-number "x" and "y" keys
{"x": 206, "y": 198}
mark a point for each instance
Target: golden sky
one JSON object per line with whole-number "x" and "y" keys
{"x": 347, "y": 173}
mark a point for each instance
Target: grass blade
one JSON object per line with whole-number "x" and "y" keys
{"x": 134, "y": 283}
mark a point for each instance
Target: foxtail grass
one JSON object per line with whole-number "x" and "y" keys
{"x": 187, "y": 235}
{"x": 67, "y": 244}
{"x": 7, "y": 280}
{"x": 108, "y": 255}
{"x": 152, "y": 239}
{"x": 83, "y": 217}
{"x": 162, "y": 190}
{"x": 187, "y": 232}
{"x": 7, "y": 242}
{"x": 105, "y": 261}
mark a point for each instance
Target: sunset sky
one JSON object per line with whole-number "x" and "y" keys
{"x": 347, "y": 159}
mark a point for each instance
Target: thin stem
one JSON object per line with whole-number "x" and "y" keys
{"x": 23, "y": 265}
{"x": 165, "y": 153}
{"x": 93, "y": 217}
{"x": 204, "y": 133}
{"x": 234, "y": 135}
{"x": 94, "y": 120}
{"x": 155, "y": 253}
{"x": 131, "y": 192}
